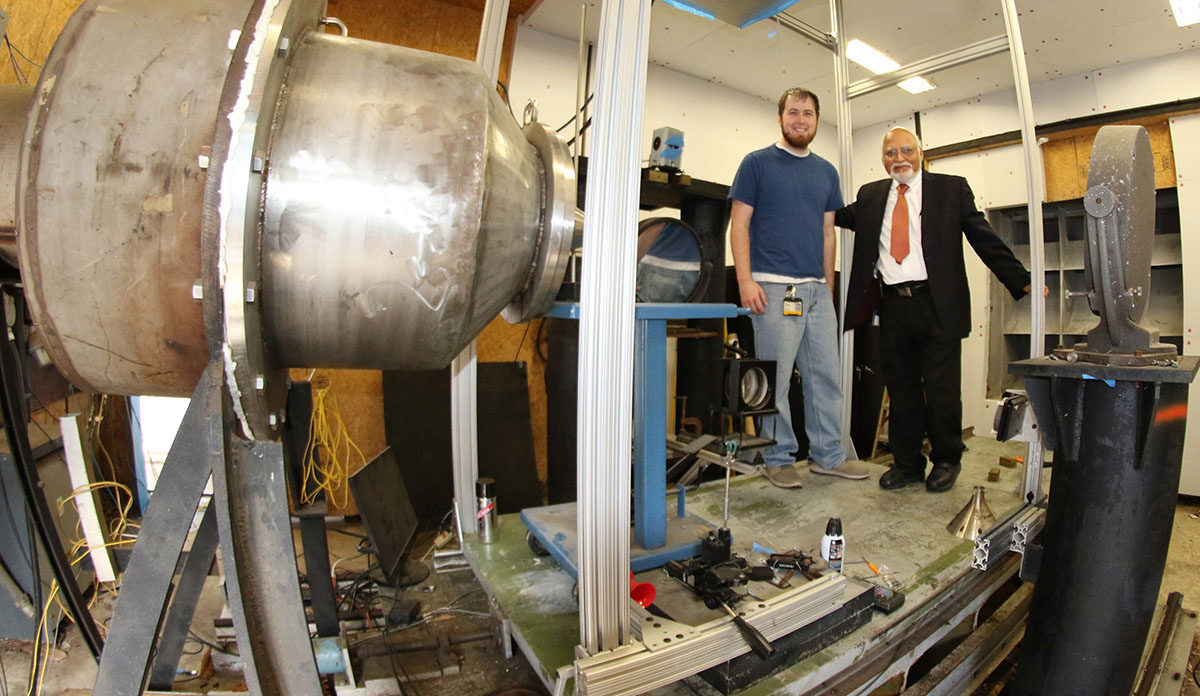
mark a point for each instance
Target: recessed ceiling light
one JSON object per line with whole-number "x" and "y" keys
{"x": 1186, "y": 11}
{"x": 870, "y": 58}
{"x": 916, "y": 85}
{"x": 874, "y": 60}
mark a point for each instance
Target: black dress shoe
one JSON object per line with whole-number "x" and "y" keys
{"x": 895, "y": 478}
{"x": 942, "y": 477}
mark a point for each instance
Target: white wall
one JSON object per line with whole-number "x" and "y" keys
{"x": 997, "y": 179}
{"x": 719, "y": 125}
{"x": 1185, "y": 137}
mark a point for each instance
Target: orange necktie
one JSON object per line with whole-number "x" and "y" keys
{"x": 899, "y": 248}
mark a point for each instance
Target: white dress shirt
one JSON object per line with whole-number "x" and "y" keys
{"x": 913, "y": 267}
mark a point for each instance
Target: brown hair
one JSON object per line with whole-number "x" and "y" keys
{"x": 800, "y": 94}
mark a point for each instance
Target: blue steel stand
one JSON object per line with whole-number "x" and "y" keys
{"x": 654, "y": 541}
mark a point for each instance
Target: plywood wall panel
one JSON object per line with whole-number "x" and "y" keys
{"x": 1066, "y": 156}
{"x": 33, "y": 26}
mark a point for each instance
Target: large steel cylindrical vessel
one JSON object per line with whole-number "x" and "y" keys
{"x": 401, "y": 214}
{"x": 111, "y": 187}
{"x": 223, "y": 178}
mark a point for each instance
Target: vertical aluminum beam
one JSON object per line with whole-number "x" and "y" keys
{"x": 841, "y": 80}
{"x": 606, "y": 326}
{"x": 491, "y": 37}
{"x": 464, "y": 394}
{"x": 1035, "y": 181}
{"x": 464, "y": 435}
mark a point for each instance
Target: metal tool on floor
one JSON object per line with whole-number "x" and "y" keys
{"x": 794, "y": 561}
{"x": 974, "y": 519}
{"x": 756, "y": 640}
{"x": 731, "y": 447}
{"x": 714, "y": 575}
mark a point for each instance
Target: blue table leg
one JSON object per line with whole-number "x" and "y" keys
{"x": 650, "y": 436}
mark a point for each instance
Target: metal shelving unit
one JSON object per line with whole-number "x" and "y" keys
{"x": 1068, "y": 317}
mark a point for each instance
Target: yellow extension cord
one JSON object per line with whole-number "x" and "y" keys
{"x": 327, "y": 430}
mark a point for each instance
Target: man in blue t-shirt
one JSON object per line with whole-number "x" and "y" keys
{"x": 782, "y": 236}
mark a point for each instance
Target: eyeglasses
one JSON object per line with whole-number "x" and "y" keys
{"x": 892, "y": 152}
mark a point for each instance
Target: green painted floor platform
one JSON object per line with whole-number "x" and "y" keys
{"x": 904, "y": 530}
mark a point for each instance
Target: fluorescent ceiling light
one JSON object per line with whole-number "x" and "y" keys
{"x": 870, "y": 58}
{"x": 874, "y": 60}
{"x": 915, "y": 85}
{"x": 1186, "y": 11}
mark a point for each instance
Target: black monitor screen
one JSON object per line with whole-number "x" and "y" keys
{"x": 386, "y": 510}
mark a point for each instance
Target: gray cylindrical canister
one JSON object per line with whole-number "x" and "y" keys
{"x": 485, "y": 509}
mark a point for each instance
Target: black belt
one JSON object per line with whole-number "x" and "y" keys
{"x": 911, "y": 288}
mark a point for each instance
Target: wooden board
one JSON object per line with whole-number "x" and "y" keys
{"x": 1066, "y": 156}
{"x": 33, "y": 26}
{"x": 450, "y": 27}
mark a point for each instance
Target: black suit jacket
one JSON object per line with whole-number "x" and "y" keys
{"x": 948, "y": 213}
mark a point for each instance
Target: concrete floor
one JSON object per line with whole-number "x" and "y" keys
{"x": 481, "y": 666}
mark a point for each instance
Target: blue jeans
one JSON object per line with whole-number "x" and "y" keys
{"x": 809, "y": 341}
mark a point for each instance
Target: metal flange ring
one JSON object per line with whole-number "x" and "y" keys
{"x": 558, "y": 225}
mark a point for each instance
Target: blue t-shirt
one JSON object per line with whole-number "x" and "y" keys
{"x": 790, "y": 196}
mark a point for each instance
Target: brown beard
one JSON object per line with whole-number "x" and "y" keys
{"x": 800, "y": 143}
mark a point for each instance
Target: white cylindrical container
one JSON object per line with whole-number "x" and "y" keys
{"x": 833, "y": 544}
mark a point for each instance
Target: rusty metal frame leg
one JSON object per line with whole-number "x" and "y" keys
{"x": 183, "y": 606}
{"x": 146, "y": 590}
{"x": 250, "y": 499}
{"x": 258, "y": 558}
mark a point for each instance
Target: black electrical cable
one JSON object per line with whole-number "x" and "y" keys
{"x": 392, "y": 654}
{"x": 3, "y": 675}
{"x": 192, "y": 636}
{"x": 581, "y": 110}
{"x": 21, "y": 78}
{"x": 27, "y": 59}
{"x": 504, "y": 87}
{"x": 521, "y": 345}
{"x": 586, "y": 125}
{"x": 537, "y": 342}
{"x": 1196, "y": 672}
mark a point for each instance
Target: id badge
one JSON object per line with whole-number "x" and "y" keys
{"x": 792, "y": 306}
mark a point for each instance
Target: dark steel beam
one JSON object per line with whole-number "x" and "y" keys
{"x": 146, "y": 590}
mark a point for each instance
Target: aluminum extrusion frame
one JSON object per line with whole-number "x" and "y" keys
{"x": 606, "y": 325}
{"x": 640, "y": 668}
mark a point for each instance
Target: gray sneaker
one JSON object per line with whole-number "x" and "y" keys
{"x": 783, "y": 476}
{"x": 849, "y": 469}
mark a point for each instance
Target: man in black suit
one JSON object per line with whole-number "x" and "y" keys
{"x": 908, "y": 264}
